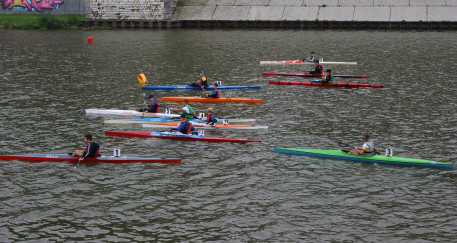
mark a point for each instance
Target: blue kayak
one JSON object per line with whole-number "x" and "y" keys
{"x": 173, "y": 87}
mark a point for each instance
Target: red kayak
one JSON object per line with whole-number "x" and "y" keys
{"x": 304, "y": 74}
{"x": 69, "y": 158}
{"x": 334, "y": 84}
{"x": 176, "y": 136}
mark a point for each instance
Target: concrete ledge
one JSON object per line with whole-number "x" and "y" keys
{"x": 300, "y": 13}
{"x": 356, "y": 3}
{"x": 231, "y": 13}
{"x": 391, "y": 3}
{"x": 266, "y": 13}
{"x": 408, "y": 14}
{"x": 336, "y": 13}
{"x": 196, "y": 13}
{"x": 427, "y": 2}
{"x": 436, "y": 13}
{"x": 286, "y": 3}
{"x": 205, "y": 2}
{"x": 252, "y": 2}
{"x": 372, "y": 13}
{"x": 331, "y": 3}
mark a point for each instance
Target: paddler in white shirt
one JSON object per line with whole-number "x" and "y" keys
{"x": 186, "y": 110}
{"x": 368, "y": 147}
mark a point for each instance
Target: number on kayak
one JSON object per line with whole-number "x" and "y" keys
{"x": 201, "y": 132}
{"x": 167, "y": 111}
{"x": 201, "y": 115}
{"x": 389, "y": 152}
{"x": 225, "y": 122}
{"x": 219, "y": 83}
{"x": 117, "y": 152}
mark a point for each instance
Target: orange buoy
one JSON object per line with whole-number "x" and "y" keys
{"x": 90, "y": 40}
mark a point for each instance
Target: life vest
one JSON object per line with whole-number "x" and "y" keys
{"x": 204, "y": 81}
{"x": 328, "y": 78}
{"x": 154, "y": 108}
{"x": 191, "y": 112}
{"x": 320, "y": 69}
{"x": 187, "y": 128}
{"x": 368, "y": 145}
{"x": 92, "y": 149}
{"x": 217, "y": 93}
{"x": 209, "y": 118}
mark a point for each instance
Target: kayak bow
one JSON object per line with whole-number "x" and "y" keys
{"x": 321, "y": 84}
{"x": 176, "y": 136}
{"x": 381, "y": 159}
{"x": 69, "y": 158}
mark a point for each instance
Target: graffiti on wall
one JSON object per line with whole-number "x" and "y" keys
{"x": 32, "y": 5}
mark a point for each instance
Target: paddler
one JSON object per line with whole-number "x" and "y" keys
{"x": 153, "y": 106}
{"x": 185, "y": 127}
{"x": 215, "y": 93}
{"x": 187, "y": 110}
{"x": 328, "y": 77}
{"x": 92, "y": 149}
{"x": 312, "y": 58}
{"x": 318, "y": 69}
{"x": 203, "y": 81}
{"x": 368, "y": 147}
{"x": 210, "y": 119}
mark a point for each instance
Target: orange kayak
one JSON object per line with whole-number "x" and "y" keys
{"x": 212, "y": 100}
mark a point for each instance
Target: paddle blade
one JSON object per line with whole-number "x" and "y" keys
{"x": 142, "y": 78}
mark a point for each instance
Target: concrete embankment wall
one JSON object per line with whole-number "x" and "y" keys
{"x": 320, "y": 10}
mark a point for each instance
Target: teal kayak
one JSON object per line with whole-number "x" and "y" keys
{"x": 377, "y": 158}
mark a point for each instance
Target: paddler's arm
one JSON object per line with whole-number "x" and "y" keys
{"x": 359, "y": 151}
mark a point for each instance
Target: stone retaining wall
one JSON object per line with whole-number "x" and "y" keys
{"x": 321, "y": 10}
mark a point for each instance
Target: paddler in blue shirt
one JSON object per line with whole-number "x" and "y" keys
{"x": 215, "y": 93}
{"x": 153, "y": 107}
{"x": 312, "y": 58}
{"x": 318, "y": 69}
{"x": 210, "y": 119}
{"x": 187, "y": 110}
{"x": 92, "y": 149}
{"x": 328, "y": 77}
{"x": 368, "y": 147}
{"x": 185, "y": 127}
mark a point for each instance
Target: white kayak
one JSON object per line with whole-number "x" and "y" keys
{"x": 128, "y": 113}
{"x": 167, "y": 119}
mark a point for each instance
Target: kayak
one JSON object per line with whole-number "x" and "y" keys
{"x": 204, "y": 126}
{"x": 69, "y": 158}
{"x": 333, "y": 84}
{"x": 166, "y": 119}
{"x": 304, "y": 74}
{"x": 128, "y": 113}
{"x": 377, "y": 158}
{"x": 176, "y": 136}
{"x": 173, "y": 87}
{"x": 212, "y": 100}
{"x": 300, "y": 62}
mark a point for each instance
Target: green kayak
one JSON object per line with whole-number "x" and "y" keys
{"x": 377, "y": 158}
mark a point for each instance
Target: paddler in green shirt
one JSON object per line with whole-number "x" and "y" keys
{"x": 312, "y": 58}
{"x": 328, "y": 77}
{"x": 187, "y": 110}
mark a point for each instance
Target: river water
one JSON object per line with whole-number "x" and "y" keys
{"x": 223, "y": 191}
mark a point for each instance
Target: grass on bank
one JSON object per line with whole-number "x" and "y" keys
{"x": 41, "y": 21}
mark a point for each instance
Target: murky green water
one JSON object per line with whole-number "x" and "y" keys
{"x": 223, "y": 191}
